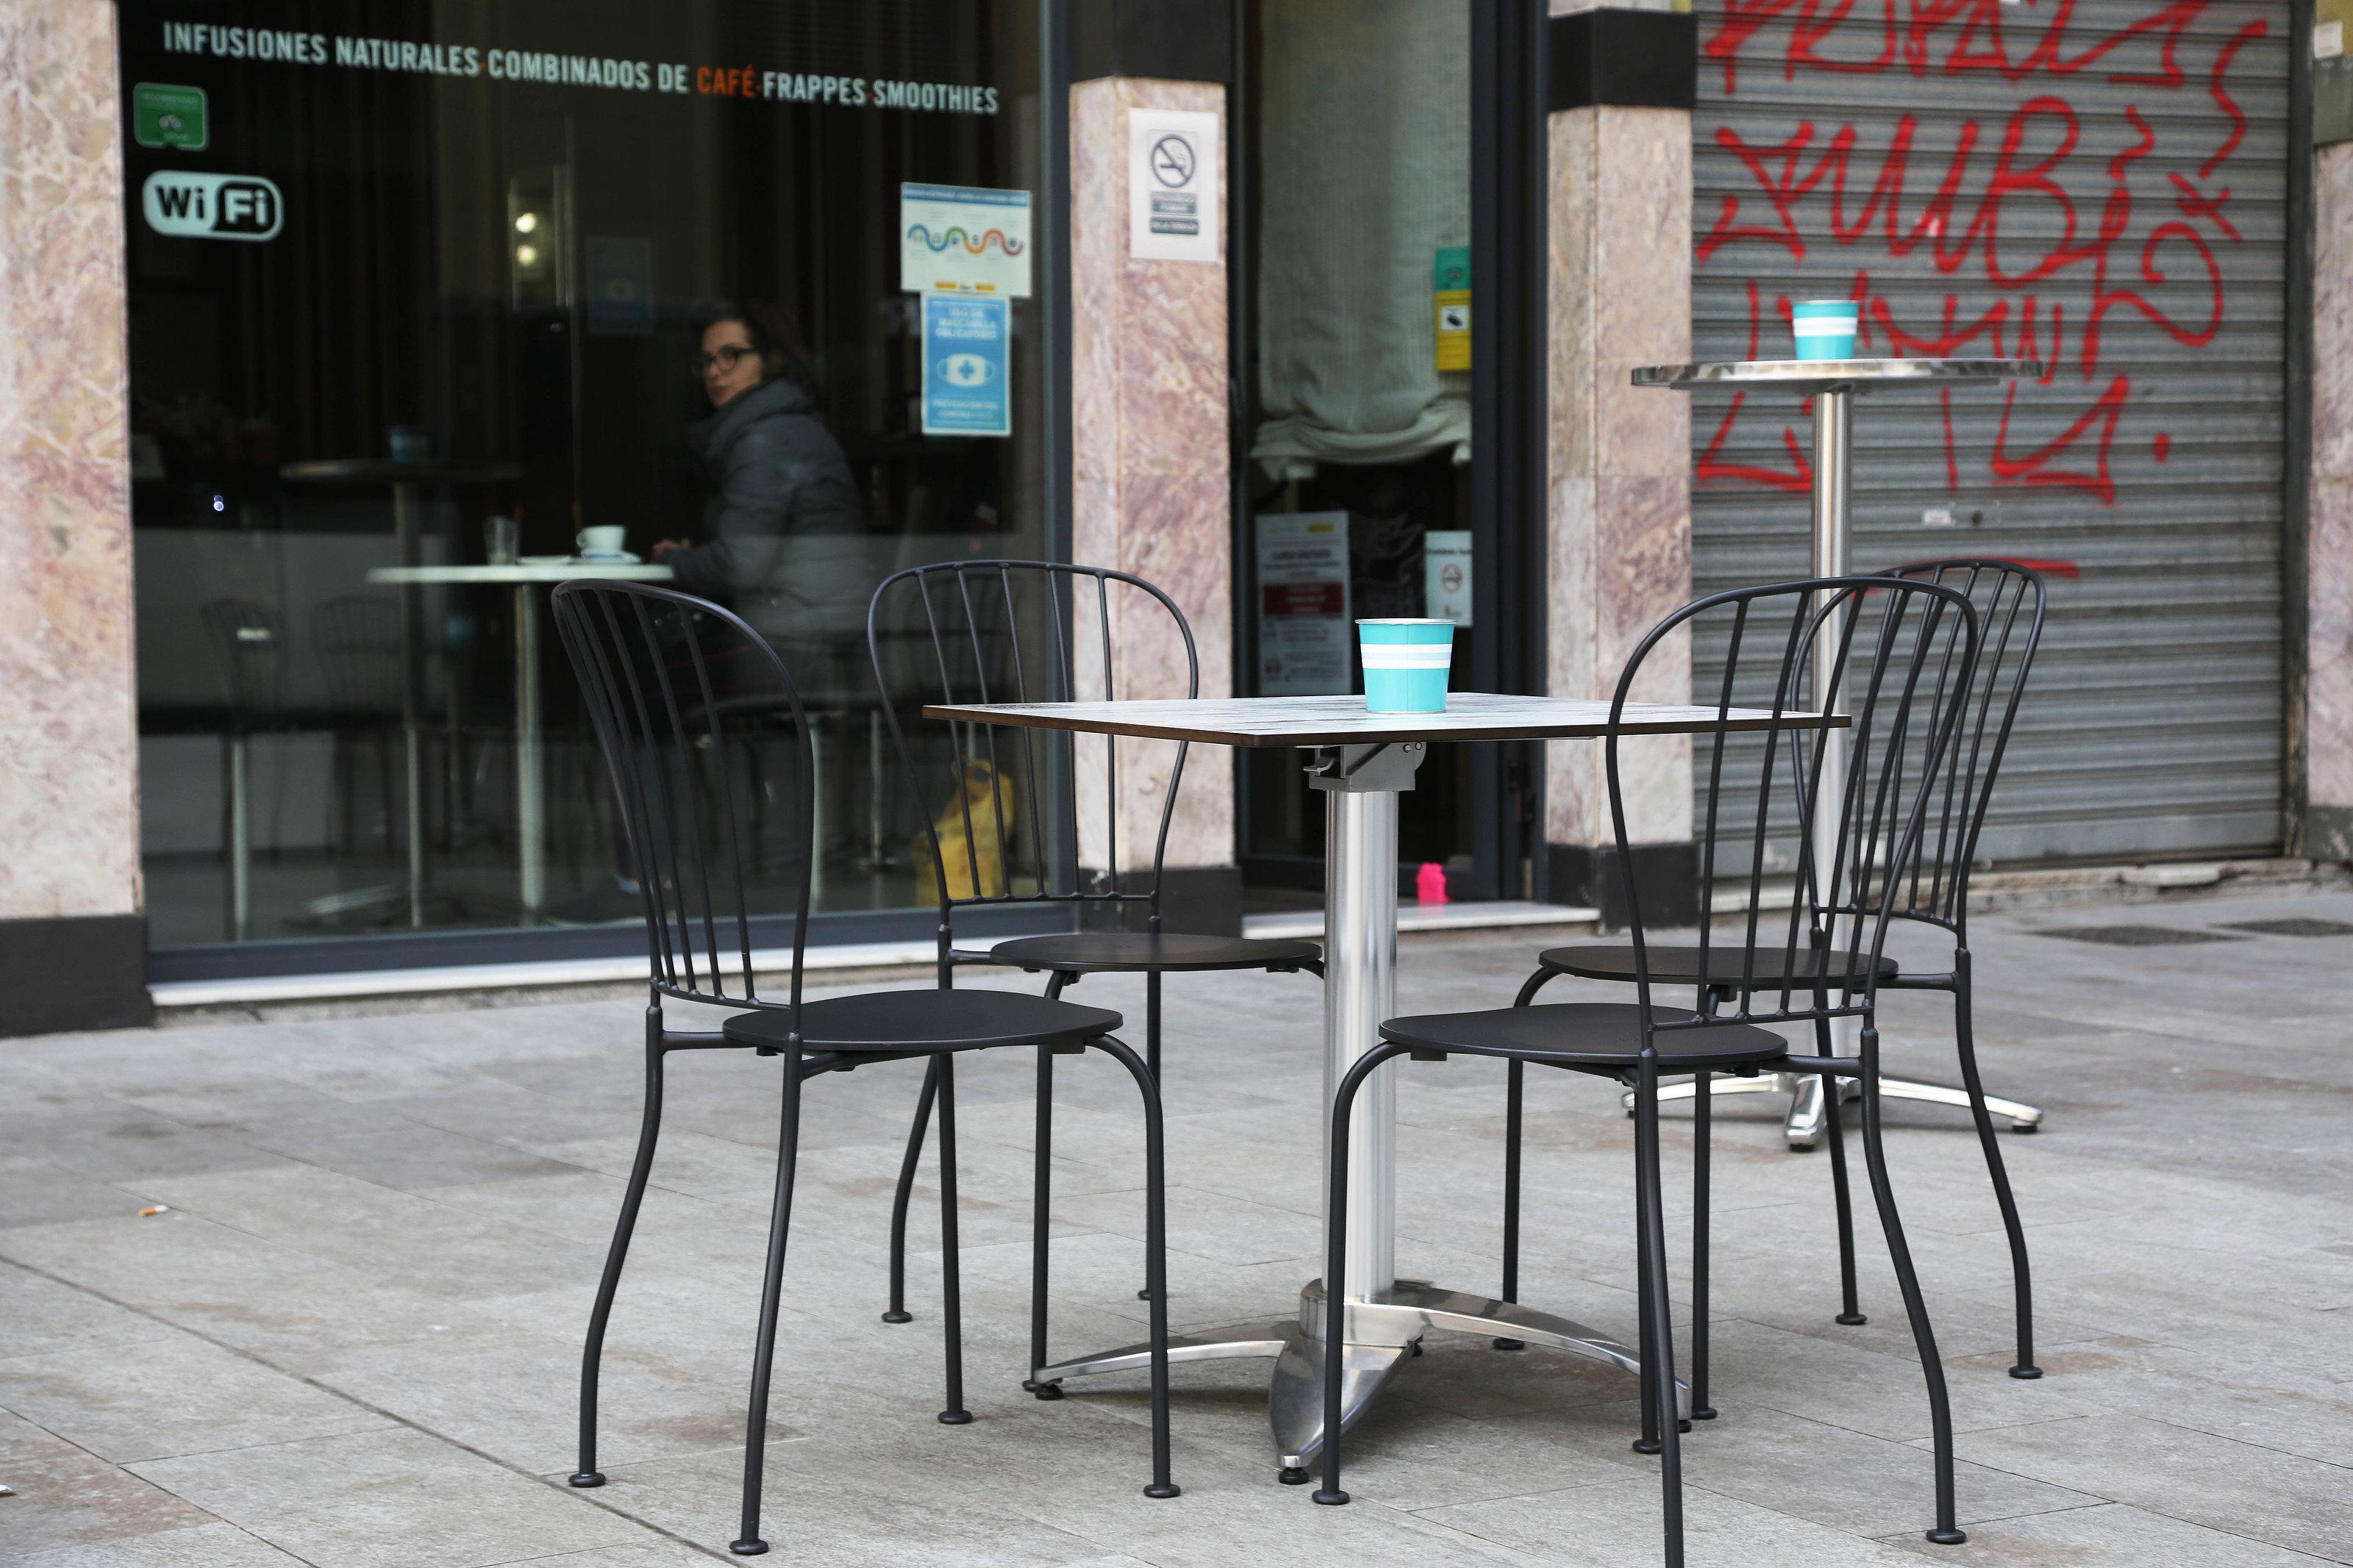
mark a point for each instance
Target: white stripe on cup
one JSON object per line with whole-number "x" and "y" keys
{"x": 1822, "y": 326}
{"x": 1409, "y": 656}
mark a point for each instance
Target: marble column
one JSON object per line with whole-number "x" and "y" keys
{"x": 2328, "y": 687}
{"x": 1151, "y": 490}
{"x": 73, "y": 944}
{"x": 1619, "y": 524}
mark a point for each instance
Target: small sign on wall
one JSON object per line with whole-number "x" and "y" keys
{"x": 1446, "y": 574}
{"x": 964, "y": 239}
{"x": 1304, "y": 633}
{"x": 967, "y": 346}
{"x": 1172, "y": 185}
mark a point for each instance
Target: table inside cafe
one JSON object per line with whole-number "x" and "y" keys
{"x": 1363, "y": 761}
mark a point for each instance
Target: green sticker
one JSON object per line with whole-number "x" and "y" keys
{"x": 1452, "y": 269}
{"x": 163, "y": 116}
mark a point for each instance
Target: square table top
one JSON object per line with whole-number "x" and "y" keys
{"x": 1273, "y": 721}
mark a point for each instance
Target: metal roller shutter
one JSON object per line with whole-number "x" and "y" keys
{"x": 2101, "y": 184}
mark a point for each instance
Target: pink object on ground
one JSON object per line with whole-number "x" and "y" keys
{"x": 1430, "y": 883}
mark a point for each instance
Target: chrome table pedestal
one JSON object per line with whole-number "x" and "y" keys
{"x": 1386, "y": 1316}
{"x": 1833, "y": 385}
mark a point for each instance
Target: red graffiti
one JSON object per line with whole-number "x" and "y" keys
{"x": 2029, "y": 232}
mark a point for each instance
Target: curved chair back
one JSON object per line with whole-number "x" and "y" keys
{"x": 2009, "y": 599}
{"x": 1013, "y": 815}
{"x": 356, "y": 639}
{"x": 1907, "y": 652}
{"x": 680, "y": 691}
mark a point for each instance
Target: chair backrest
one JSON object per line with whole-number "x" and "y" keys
{"x": 689, "y": 704}
{"x": 1008, "y": 815}
{"x": 1906, "y": 651}
{"x": 2009, "y": 599}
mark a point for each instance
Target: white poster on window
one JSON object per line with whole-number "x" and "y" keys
{"x": 1304, "y": 632}
{"x": 964, "y": 239}
{"x": 1172, "y": 185}
{"x": 1446, "y": 574}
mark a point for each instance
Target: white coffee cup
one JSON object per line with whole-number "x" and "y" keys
{"x": 606, "y": 540}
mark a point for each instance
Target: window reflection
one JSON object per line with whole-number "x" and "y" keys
{"x": 546, "y": 281}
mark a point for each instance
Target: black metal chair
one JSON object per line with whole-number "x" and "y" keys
{"x": 1013, "y": 631}
{"x": 2009, "y": 599}
{"x": 1916, "y": 644}
{"x": 671, "y": 682}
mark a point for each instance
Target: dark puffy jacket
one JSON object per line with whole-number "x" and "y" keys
{"x": 786, "y": 548}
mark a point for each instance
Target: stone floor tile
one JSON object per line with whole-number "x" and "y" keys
{"x": 2260, "y": 1493}
{"x": 390, "y": 1498}
{"x": 1614, "y": 1524}
{"x": 2110, "y": 1535}
{"x": 167, "y": 1394}
{"x": 68, "y": 1497}
{"x": 35, "y": 1192}
{"x": 1866, "y": 1486}
{"x": 45, "y": 1314}
{"x": 215, "y": 1545}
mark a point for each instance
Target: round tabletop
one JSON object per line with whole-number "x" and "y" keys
{"x": 385, "y": 472}
{"x": 1823, "y": 374}
{"x": 534, "y": 572}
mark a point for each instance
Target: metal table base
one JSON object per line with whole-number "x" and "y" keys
{"x": 1386, "y": 1316}
{"x": 1803, "y": 1125}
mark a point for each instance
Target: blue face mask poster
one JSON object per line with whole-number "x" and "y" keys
{"x": 965, "y": 356}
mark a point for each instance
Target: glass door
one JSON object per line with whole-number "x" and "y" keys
{"x": 1365, "y": 429}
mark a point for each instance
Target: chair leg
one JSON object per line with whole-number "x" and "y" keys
{"x": 1513, "y": 1089}
{"x": 592, "y": 1350}
{"x": 1150, "y": 1053}
{"x": 780, "y": 1219}
{"x": 1940, "y": 1413}
{"x": 1659, "y": 1356}
{"x": 1842, "y": 1200}
{"x": 1156, "y": 1257}
{"x": 1040, "y": 1205}
{"x": 1701, "y": 1409}
{"x": 1645, "y": 1342}
{"x": 1335, "y": 1263}
{"x": 2021, "y": 1273}
{"x": 906, "y": 1191}
{"x": 951, "y": 1269}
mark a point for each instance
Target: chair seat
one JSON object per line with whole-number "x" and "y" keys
{"x": 1680, "y": 965}
{"x": 1168, "y": 951}
{"x": 1599, "y": 1034}
{"x": 925, "y": 1020}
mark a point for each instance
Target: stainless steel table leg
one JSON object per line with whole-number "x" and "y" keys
{"x": 2024, "y": 1118}
{"x": 531, "y": 783}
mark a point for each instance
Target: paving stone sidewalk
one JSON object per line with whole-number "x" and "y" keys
{"x": 351, "y": 1337}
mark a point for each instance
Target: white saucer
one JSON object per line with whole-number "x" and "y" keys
{"x": 620, "y": 558}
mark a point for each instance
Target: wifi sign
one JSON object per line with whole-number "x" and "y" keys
{"x": 212, "y": 206}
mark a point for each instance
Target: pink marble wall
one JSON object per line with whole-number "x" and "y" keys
{"x": 1620, "y": 524}
{"x": 2329, "y": 697}
{"x": 69, "y": 743}
{"x": 1151, "y": 475}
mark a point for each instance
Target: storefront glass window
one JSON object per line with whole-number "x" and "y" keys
{"x": 422, "y": 293}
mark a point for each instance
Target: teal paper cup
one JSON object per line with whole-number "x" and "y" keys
{"x": 1406, "y": 663}
{"x": 1824, "y": 328}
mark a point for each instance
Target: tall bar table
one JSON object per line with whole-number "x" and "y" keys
{"x": 1362, "y": 762}
{"x": 528, "y": 579}
{"x": 1834, "y": 384}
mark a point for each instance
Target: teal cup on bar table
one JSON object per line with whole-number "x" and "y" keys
{"x": 1824, "y": 328}
{"x": 1406, "y": 663}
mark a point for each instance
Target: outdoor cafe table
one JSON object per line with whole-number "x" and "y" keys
{"x": 1832, "y": 385}
{"x": 1362, "y": 762}
{"x": 527, "y": 579}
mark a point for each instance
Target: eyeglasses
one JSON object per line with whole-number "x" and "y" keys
{"x": 726, "y": 356}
